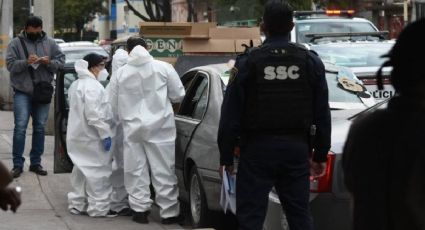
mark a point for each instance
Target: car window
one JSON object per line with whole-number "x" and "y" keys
{"x": 194, "y": 103}
{"x": 68, "y": 79}
{"x": 201, "y": 106}
{"x": 330, "y": 27}
{"x": 187, "y": 80}
{"x": 353, "y": 55}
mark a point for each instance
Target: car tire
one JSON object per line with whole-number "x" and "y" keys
{"x": 197, "y": 200}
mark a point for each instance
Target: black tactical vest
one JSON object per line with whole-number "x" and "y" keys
{"x": 279, "y": 98}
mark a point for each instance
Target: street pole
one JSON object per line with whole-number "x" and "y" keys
{"x": 44, "y": 9}
{"x": 6, "y": 34}
{"x": 31, "y": 7}
{"x": 406, "y": 12}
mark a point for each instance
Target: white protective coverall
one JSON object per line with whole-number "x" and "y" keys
{"x": 119, "y": 197}
{"x": 89, "y": 114}
{"x": 144, "y": 90}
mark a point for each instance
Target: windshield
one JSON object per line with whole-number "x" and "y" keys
{"x": 303, "y": 28}
{"x": 353, "y": 55}
{"x": 337, "y": 94}
{"x": 74, "y": 55}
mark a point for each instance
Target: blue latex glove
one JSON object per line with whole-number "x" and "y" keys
{"x": 107, "y": 142}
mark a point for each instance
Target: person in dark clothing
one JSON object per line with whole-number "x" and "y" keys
{"x": 277, "y": 95}
{"x": 384, "y": 156}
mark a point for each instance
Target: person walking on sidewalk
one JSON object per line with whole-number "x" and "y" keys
{"x": 32, "y": 60}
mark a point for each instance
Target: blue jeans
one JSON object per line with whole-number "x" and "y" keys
{"x": 23, "y": 108}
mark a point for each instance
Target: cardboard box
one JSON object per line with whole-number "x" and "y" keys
{"x": 234, "y": 33}
{"x": 209, "y": 46}
{"x": 175, "y": 29}
{"x": 167, "y": 40}
{"x": 223, "y": 40}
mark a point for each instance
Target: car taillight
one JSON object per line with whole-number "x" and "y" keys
{"x": 237, "y": 151}
{"x": 324, "y": 183}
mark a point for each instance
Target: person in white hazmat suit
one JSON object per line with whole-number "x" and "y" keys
{"x": 143, "y": 90}
{"x": 119, "y": 197}
{"x": 89, "y": 140}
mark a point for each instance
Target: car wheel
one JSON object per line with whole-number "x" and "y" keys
{"x": 197, "y": 200}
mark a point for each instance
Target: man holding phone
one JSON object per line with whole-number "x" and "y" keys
{"x": 32, "y": 60}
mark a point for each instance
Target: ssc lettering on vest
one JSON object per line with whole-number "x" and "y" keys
{"x": 281, "y": 72}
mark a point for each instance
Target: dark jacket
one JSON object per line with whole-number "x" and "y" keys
{"x": 384, "y": 167}
{"x": 235, "y": 99}
{"x": 17, "y": 64}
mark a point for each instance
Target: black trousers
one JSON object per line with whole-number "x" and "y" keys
{"x": 273, "y": 161}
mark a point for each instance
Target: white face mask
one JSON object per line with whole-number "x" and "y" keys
{"x": 103, "y": 75}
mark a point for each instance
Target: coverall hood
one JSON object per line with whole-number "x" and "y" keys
{"x": 81, "y": 67}
{"x": 119, "y": 59}
{"x": 139, "y": 56}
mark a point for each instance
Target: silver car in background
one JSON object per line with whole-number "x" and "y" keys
{"x": 197, "y": 154}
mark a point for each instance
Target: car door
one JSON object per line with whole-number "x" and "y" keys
{"x": 190, "y": 113}
{"x": 62, "y": 162}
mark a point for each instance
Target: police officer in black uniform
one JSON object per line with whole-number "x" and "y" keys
{"x": 276, "y": 98}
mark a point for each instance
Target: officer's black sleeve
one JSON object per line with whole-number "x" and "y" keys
{"x": 321, "y": 110}
{"x": 231, "y": 112}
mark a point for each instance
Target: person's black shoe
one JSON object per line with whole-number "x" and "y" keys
{"x": 16, "y": 172}
{"x": 123, "y": 212}
{"x": 38, "y": 169}
{"x": 141, "y": 217}
{"x": 173, "y": 220}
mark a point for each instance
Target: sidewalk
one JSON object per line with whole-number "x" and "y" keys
{"x": 44, "y": 201}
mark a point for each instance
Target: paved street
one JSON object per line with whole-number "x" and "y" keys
{"x": 44, "y": 198}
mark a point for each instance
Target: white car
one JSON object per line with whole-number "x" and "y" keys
{"x": 327, "y": 21}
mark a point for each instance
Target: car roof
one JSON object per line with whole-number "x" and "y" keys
{"x": 330, "y": 19}
{"x": 59, "y": 40}
{"x": 342, "y": 43}
{"x": 122, "y": 39}
{"x": 79, "y": 43}
{"x": 72, "y": 48}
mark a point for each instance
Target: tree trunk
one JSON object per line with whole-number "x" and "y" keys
{"x": 166, "y": 10}
{"x": 80, "y": 26}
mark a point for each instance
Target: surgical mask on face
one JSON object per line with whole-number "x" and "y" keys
{"x": 33, "y": 36}
{"x": 103, "y": 75}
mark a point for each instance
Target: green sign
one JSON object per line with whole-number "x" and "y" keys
{"x": 165, "y": 47}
